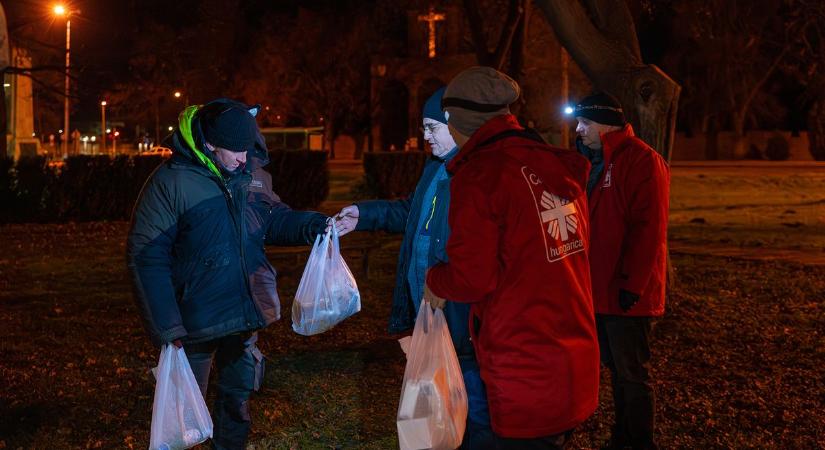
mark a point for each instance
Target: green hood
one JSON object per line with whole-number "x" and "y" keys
{"x": 185, "y": 128}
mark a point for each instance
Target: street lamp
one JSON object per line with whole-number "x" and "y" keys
{"x": 178, "y": 95}
{"x": 103, "y": 125}
{"x": 61, "y": 11}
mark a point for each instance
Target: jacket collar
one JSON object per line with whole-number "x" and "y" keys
{"x": 490, "y": 128}
{"x": 615, "y": 139}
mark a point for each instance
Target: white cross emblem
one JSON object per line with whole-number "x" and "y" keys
{"x": 561, "y": 215}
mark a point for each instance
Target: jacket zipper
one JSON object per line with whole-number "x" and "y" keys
{"x": 237, "y": 217}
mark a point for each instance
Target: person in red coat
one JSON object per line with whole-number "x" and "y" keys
{"x": 518, "y": 252}
{"x": 628, "y": 191}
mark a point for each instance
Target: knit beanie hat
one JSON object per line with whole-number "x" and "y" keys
{"x": 601, "y": 108}
{"x": 229, "y": 124}
{"x": 432, "y": 107}
{"x": 476, "y": 95}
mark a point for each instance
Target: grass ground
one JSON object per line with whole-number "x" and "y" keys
{"x": 738, "y": 357}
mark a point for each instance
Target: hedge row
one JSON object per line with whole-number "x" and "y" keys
{"x": 89, "y": 188}
{"x": 393, "y": 174}
{"x": 299, "y": 177}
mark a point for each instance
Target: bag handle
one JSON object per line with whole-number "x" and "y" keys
{"x": 336, "y": 246}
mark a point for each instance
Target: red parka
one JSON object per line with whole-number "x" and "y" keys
{"x": 518, "y": 252}
{"x": 628, "y": 220}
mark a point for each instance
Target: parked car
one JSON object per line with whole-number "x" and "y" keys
{"x": 157, "y": 150}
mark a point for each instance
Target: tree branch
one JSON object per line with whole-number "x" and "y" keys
{"x": 514, "y": 15}
{"x": 477, "y": 32}
{"x": 613, "y": 18}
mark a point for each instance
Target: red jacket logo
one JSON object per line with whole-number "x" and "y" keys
{"x": 561, "y": 217}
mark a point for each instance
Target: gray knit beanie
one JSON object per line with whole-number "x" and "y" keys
{"x": 476, "y": 95}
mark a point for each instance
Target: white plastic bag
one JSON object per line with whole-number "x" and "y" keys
{"x": 432, "y": 412}
{"x": 180, "y": 418}
{"x": 327, "y": 293}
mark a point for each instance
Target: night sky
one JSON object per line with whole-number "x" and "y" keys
{"x": 103, "y": 36}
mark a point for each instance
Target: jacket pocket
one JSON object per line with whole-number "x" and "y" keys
{"x": 214, "y": 258}
{"x": 206, "y": 276}
{"x": 265, "y": 290}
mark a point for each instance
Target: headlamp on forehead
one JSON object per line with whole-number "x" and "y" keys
{"x": 580, "y": 108}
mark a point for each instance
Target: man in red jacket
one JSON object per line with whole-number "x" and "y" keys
{"x": 518, "y": 253}
{"x": 628, "y": 200}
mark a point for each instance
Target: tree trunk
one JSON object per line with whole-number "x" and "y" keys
{"x": 359, "y": 145}
{"x": 3, "y": 123}
{"x": 478, "y": 32}
{"x": 712, "y": 140}
{"x": 157, "y": 123}
{"x": 331, "y": 132}
{"x": 816, "y": 130}
{"x": 5, "y": 61}
{"x": 602, "y": 40}
{"x": 740, "y": 143}
{"x": 518, "y": 48}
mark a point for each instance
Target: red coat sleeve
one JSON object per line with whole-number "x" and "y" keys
{"x": 646, "y": 237}
{"x": 472, "y": 249}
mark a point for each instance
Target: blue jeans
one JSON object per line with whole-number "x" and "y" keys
{"x": 240, "y": 368}
{"x": 478, "y": 435}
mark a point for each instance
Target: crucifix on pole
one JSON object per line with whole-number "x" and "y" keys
{"x": 431, "y": 18}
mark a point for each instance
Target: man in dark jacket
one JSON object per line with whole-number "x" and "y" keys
{"x": 422, "y": 217}
{"x": 196, "y": 256}
{"x": 628, "y": 200}
{"x": 518, "y": 254}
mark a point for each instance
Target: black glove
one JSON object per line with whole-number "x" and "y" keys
{"x": 317, "y": 225}
{"x": 627, "y": 299}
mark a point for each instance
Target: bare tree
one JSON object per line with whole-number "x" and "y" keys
{"x": 483, "y": 32}
{"x": 727, "y": 52}
{"x": 5, "y": 61}
{"x": 600, "y": 36}
{"x": 808, "y": 65}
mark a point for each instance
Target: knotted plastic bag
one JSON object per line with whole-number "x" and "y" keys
{"x": 327, "y": 293}
{"x": 180, "y": 418}
{"x": 432, "y": 412}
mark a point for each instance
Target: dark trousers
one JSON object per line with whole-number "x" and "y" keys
{"x": 553, "y": 442}
{"x": 240, "y": 371}
{"x": 624, "y": 344}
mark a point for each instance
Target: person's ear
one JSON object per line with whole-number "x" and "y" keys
{"x": 209, "y": 146}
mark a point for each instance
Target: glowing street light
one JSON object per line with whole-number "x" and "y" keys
{"x": 103, "y": 126}
{"x": 61, "y": 11}
{"x": 181, "y": 95}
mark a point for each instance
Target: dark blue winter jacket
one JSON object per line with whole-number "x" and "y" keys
{"x": 195, "y": 248}
{"x": 403, "y": 215}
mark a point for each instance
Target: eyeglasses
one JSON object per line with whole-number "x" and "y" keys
{"x": 431, "y": 128}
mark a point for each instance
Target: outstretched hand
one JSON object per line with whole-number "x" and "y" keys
{"x": 347, "y": 219}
